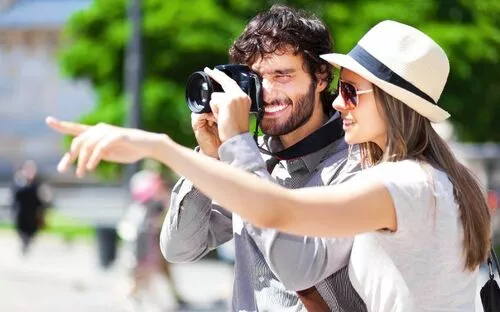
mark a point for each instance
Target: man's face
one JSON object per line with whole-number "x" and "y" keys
{"x": 289, "y": 93}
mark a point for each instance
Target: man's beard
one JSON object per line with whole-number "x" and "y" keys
{"x": 302, "y": 112}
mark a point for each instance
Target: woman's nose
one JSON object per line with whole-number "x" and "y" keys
{"x": 339, "y": 104}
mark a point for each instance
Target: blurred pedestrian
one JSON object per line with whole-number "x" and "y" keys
{"x": 31, "y": 197}
{"x": 150, "y": 196}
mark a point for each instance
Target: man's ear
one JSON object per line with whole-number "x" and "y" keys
{"x": 321, "y": 82}
{"x": 321, "y": 79}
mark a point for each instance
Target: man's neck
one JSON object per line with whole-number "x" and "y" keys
{"x": 313, "y": 124}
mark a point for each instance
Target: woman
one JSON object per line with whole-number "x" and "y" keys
{"x": 421, "y": 221}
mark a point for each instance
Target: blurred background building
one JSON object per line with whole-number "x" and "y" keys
{"x": 31, "y": 85}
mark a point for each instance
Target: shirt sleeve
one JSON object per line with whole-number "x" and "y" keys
{"x": 194, "y": 225}
{"x": 410, "y": 186}
{"x": 299, "y": 262}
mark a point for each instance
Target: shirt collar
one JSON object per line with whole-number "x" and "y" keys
{"x": 310, "y": 161}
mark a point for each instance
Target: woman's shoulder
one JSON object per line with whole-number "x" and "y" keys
{"x": 405, "y": 170}
{"x": 412, "y": 175}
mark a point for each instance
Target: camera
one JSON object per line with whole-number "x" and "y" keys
{"x": 200, "y": 86}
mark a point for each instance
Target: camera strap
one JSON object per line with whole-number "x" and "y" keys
{"x": 322, "y": 137}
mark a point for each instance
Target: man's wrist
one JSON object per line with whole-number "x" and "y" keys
{"x": 231, "y": 134}
{"x": 200, "y": 151}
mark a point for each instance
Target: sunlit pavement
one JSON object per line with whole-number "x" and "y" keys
{"x": 57, "y": 276}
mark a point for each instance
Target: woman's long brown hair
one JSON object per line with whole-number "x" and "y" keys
{"x": 411, "y": 136}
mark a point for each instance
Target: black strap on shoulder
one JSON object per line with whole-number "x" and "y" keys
{"x": 493, "y": 259}
{"x": 317, "y": 140}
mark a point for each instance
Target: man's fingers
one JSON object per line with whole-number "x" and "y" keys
{"x": 214, "y": 105}
{"x": 211, "y": 118}
{"x": 198, "y": 120}
{"x": 227, "y": 84}
{"x": 66, "y": 127}
{"x": 212, "y": 121}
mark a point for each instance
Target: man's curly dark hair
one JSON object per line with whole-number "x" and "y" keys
{"x": 282, "y": 27}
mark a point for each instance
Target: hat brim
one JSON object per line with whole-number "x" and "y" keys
{"x": 425, "y": 108}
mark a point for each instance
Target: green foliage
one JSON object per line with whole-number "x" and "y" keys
{"x": 67, "y": 227}
{"x": 469, "y": 32}
{"x": 179, "y": 40}
{"x": 60, "y": 225}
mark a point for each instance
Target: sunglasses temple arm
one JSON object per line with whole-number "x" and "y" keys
{"x": 365, "y": 91}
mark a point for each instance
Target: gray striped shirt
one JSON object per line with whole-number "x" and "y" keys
{"x": 269, "y": 266}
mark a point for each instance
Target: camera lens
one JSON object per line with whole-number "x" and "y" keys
{"x": 199, "y": 88}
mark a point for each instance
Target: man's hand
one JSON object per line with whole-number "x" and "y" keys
{"x": 230, "y": 108}
{"x": 91, "y": 144}
{"x": 207, "y": 133}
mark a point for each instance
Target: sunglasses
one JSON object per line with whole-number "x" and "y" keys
{"x": 350, "y": 94}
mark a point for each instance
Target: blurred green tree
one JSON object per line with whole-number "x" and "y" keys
{"x": 469, "y": 32}
{"x": 178, "y": 40}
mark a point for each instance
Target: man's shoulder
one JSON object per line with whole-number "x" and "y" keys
{"x": 341, "y": 164}
{"x": 340, "y": 151}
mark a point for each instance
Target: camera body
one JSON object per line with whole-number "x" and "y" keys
{"x": 200, "y": 87}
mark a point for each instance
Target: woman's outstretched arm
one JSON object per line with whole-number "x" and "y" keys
{"x": 353, "y": 207}
{"x": 342, "y": 210}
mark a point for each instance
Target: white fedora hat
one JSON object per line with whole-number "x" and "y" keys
{"x": 402, "y": 61}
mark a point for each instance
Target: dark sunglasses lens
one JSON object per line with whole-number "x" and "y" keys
{"x": 348, "y": 92}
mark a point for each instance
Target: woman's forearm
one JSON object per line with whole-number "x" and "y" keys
{"x": 343, "y": 210}
{"x": 260, "y": 202}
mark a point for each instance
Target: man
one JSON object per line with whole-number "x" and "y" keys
{"x": 272, "y": 269}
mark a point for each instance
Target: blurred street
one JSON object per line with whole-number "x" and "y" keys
{"x": 60, "y": 276}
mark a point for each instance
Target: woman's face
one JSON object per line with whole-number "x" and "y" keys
{"x": 363, "y": 122}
